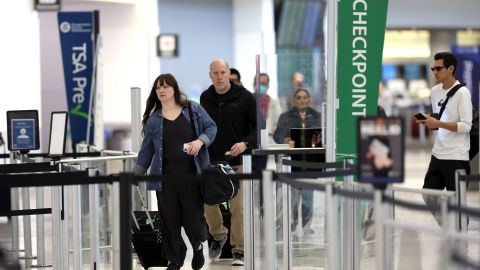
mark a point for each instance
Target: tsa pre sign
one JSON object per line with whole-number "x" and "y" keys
{"x": 76, "y": 38}
{"x": 361, "y": 32}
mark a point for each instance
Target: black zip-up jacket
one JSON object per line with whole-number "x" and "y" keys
{"x": 292, "y": 119}
{"x": 235, "y": 115}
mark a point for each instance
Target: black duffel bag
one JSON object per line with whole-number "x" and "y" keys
{"x": 217, "y": 190}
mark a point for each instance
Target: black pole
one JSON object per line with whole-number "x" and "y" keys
{"x": 125, "y": 222}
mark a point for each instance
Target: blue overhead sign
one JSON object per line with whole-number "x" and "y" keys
{"x": 468, "y": 69}
{"x": 77, "y": 43}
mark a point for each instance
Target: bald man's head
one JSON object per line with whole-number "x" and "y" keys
{"x": 220, "y": 74}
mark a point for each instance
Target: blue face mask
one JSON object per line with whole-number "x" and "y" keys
{"x": 263, "y": 89}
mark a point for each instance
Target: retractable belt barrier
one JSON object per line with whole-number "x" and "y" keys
{"x": 469, "y": 178}
{"x": 469, "y": 211}
{"x": 27, "y": 167}
{"x": 405, "y": 204}
{"x": 126, "y": 179}
{"x": 290, "y": 179}
{"x": 313, "y": 165}
{"x": 69, "y": 155}
{"x": 462, "y": 261}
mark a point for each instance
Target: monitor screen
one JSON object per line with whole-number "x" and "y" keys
{"x": 380, "y": 150}
{"x": 23, "y": 130}
{"x": 58, "y": 132}
{"x": 306, "y": 137}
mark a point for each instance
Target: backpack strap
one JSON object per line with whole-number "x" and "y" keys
{"x": 449, "y": 94}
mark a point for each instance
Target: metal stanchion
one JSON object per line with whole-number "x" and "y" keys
{"x": 446, "y": 228}
{"x": 379, "y": 235}
{"x": 135, "y": 134}
{"x": 389, "y": 232}
{"x": 77, "y": 225}
{"x": 248, "y": 219}
{"x": 59, "y": 226}
{"x": 125, "y": 221}
{"x": 461, "y": 192}
{"x": 269, "y": 222}
{"x": 348, "y": 224}
{"x": 115, "y": 226}
{"x": 39, "y": 203}
{"x": 461, "y": 197}
{"x": 27, "y": 229}
{"x": 286, "y": 229}
{"x": 331, "y": 209}
{"x": 14, "y": 222}
{"x": 93, "y": 195}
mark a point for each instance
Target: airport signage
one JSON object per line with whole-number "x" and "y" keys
{"x": 468, "y": 69}
{"x": 77, "y": 41}
{"x": 361, "y": 32}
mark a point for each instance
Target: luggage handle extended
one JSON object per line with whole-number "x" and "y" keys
{"x": 144, "y": 208}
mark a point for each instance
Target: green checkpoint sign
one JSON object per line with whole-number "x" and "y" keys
{"x": 361, "y": 32}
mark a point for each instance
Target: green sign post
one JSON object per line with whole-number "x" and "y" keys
{"x": 361, "y": 32}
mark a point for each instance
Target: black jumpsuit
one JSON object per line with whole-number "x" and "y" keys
{"x": 179, "y": 202}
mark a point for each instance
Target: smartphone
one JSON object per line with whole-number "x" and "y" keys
{"x": 420, "y": 116}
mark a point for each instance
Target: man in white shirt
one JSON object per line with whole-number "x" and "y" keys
{"x": 452, "y": 142}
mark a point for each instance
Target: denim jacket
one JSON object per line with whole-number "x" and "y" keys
{"x": 151, "y": 152}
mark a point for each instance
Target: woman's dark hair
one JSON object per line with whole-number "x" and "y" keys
{"x": 153, "y": 103}
{"x": 448, "y": 59}
{"x": 300, "y": 90}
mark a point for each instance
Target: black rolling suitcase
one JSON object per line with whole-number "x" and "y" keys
{"x": 147, "y": 237}
{"x": 227, "y": 216}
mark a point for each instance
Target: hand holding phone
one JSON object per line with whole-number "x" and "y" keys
{"x": 420, "y": 116}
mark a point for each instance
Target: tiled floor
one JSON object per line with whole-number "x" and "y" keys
{"x": 412, "y": 249}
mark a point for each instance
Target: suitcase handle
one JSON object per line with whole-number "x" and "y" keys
{"x": 144, "y": 208}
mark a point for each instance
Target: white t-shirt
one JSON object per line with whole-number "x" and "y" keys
{"x": 448, "y": 144}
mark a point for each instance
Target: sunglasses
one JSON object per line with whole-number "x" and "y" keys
{"x": 437, "y": 68}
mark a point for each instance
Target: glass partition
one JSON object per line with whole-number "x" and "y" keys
{"x": 290, "y": 88}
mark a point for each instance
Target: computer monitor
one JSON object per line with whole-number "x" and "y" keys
{"x": 58, "y": 134}
{"x": 306, "y": 137}
{"x": 23, "y": 130}
{"x": 380, "y": 150}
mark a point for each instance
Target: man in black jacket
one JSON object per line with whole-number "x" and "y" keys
{"x": 232, "y": 107}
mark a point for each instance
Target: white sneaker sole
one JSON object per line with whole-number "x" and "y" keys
{"x": 238, "y": 263}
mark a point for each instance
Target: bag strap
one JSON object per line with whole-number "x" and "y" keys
{"x": 192, "y": 125}
{"x": 449, "y": 94}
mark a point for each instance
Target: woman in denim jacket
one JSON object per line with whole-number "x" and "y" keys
{"x": 169, "y": 148}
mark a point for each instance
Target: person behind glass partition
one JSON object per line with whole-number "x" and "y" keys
{"x": 300, "y": 116}
{"x": 269, "y": 106}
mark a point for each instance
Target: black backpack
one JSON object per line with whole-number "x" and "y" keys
{"x": 474, "y": 130}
